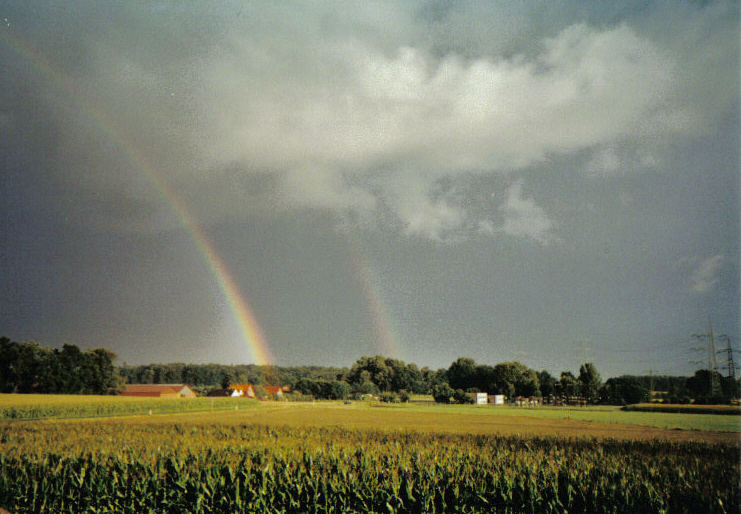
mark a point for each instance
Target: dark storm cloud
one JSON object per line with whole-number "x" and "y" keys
{"x": 352, "y": 112}
{"x": 571, "y": 131}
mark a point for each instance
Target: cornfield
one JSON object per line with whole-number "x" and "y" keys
{"x": 32, "y": 407}
{"x": 190, "y": 467}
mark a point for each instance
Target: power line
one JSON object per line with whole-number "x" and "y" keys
{"x": 730, "y": 365}
{"x": 712, "y": 362}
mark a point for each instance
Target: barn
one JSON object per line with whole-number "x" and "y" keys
{"x": 159, "y": 390}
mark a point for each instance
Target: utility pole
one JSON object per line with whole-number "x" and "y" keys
{"x": 730, "y": 365}
{"x": 712, "y": 362}
{"x": 650, "y": 373}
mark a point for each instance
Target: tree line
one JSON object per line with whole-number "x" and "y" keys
{"x": 513, "y": 379}
{"x": 202, "y": 377}
{"x": 33, "y": 368}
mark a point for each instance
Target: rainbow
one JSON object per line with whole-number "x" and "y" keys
{"x": 386, "y": 336}
{"x": 243, "y": 314}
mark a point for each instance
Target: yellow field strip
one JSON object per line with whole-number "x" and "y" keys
{"x": 333, "y": 415}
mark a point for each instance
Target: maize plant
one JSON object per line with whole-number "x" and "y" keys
{"x": 166, "y": 467}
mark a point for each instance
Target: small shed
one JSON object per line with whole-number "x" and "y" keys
{"x": 480, "y": 398}
{"x": 496, "y": 399}
{"x": 159, "y": 390}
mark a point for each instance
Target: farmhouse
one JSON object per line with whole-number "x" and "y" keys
{"x": 245, "y": 390}
{"x": 224, "y": 393}
{"x": 274, "y": 391}
{"x": 159, "y": 390}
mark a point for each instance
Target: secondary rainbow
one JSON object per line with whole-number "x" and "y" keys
{"x": 388, "y": 339}
{"x": 249, "y": 328}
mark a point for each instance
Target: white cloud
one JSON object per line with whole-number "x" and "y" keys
{"x": 421, "y": 212}
{"x": 524, "y": 218}
{"x": 371, "y": 111}
{"x": 611, "y": 161}
{"x": 325, "y": 112}
{"x": 430, "y": 218}
{"x": 705, "y": 276}
{"x": 604, "y": 162}
{"x": 444, "y": 114}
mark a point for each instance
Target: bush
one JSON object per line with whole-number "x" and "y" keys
{"x": 442, "y": 393}
{"x": 366, "y": 388}
{"x": 390, "y": 398}
{"x": 260, "y": 392}
{"x": 323, "y": 389}
{"x": 623, "y": 391}
{"x": 460, "y": 396}
{"x": 404, "y": 396}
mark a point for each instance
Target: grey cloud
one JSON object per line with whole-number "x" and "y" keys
{"x": 326, "y": 104}
{"x": 524, "y": 218}
{"x": 608, "y": 134}
{"x": 705, "y": 276}
{"x": 440, "y": 116}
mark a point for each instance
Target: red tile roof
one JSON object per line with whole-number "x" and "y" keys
{"x": 271, "y": 390}
{"x": 157, "y": 390}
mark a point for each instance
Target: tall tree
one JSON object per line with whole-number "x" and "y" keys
{"x": 589, "y": 381}
{"x": 515, "y": 379}
{"x": 102, "y": 376}
{"x": 226, "y": 379}
{"x": 28, "y": 366}
{"x": 547, "y": 383}
{"x": 568, "y": 385}
{"x": 74, "y": 372}
{"x": 378, "y": 371}
{"x": 462, "y": 373}
{"x": 9, "y": 351}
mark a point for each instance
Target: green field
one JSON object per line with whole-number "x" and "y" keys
{"x": 46, "y": 406}
{"x": 34, "y": 406}
{"x": 606, "y": 414}
{"x": 363, "y": 457}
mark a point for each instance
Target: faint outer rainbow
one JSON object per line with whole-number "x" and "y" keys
{"x": 249, "y": 328}
{"x": 388, "y": 339}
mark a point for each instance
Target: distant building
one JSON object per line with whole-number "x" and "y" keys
{"x": 245, "y": 390}
{"x": 479, "y": 398}
{"x": 496, "y": 399}
{"x": 224, "y": 393}
{"x": 159, "y": 390}
{"x": 274, "y": 391}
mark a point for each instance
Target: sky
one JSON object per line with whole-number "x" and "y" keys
{"x": 310, "y": 182}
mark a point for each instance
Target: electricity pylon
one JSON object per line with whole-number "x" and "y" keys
{"x": 712, "y": 361}
{"x": 730, "y": 365}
